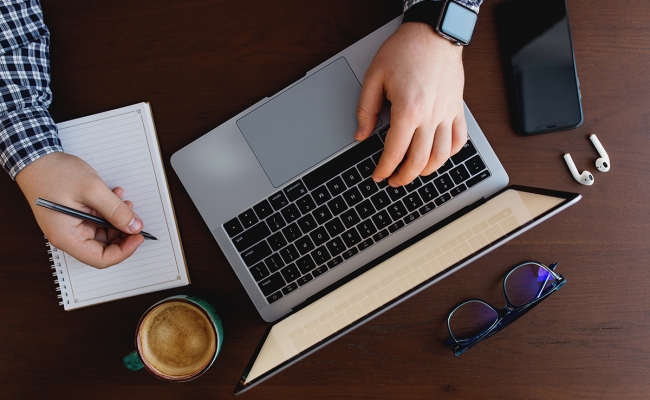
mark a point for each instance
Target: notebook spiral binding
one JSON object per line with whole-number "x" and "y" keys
{"x": 61, "y": 284}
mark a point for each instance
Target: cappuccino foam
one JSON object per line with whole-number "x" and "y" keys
{"x": 177, "y": 339}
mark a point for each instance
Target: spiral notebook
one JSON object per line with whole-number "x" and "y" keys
{"x": 121, "y": 145}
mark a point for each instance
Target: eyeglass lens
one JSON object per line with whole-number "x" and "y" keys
{"x": 527, "y": 283}
{"x": 471, "y": 319}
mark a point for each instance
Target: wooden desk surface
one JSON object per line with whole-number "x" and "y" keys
{"x": 200, "y": 62}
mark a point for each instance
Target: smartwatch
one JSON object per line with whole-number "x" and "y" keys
{"x": 449, "y": 18}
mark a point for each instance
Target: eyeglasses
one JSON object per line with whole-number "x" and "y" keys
{"x": 525, "y": 286}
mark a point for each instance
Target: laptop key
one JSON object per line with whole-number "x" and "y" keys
{"x": 251, "y": 236}
{"x": 304, "y": 279}
{"x": 350, "y": 253}
{"x": 304, "y": 245}
{"x": 351, "y": 177}
{"x": 411, "y": 217}
{"x": 274, "y": 263}
{"x": 259, "y": 271}
{"x": 305, "y": 264}
{"x": 319, "y": 271}
{"x": 473, "y": 181}
{"x": 380, "y": 235}
{"x": 263, "y": 209}
{"x": 397, "y": 211}
{"x": 248, "y": 218}
{"x": 271, "y": 284}
{"x": 306, "y": 204}
{"x": 442, "y": 199}
{"x": 295, "y": 190}
{"x": 365, "y": 244}
{"x": 290, "y": 213}
{"x": 274, "y": 297}
{"x": 277, "y": 241}
{"x": 351, "y": 237}
{"x": 275, "y": 222}
{"x": 292, "y": 232}
{"x": 350, "y": 218}
{"x": 289, "y": 288}
{"x": 396, "y": 193}
{"x": 465, "y": 152}
{"x": 336, "y": 186}
{"x": 366, "y": 167}
{"x": 321, "y": 255}
{"x": 337, "y": 205}
{"x": 307, "y": 223}
{"x": 321, "y": 195}
{"x": 458, "y": 190}
{"x": 368, "y": 187}
{"x": 381, "y": 219}
{"x": 334, "y": 262}
{"x": 443, "y": 183}
{"x": 380, "y": 200}
{"x": 459, "y": 174}
{"x": 289, "y": 254}
{"x": 395, "y": 226}
{"x": 412, "y": 201}
{"x": 335, "y": 246}
{"x": 366, "y": 229}
{"x": 365, "y": 209}
{"x": 290, "y": 273}
{"x": 233, "y": 227}
{"x": 416, "y": 183}
{"x": 426, "y": 208}
{"x": 475, "y": 164}
{"x": 334, "y": 227}
{"x": 352, "y": 196}
{"x": 428, "y": 178}
{"x": 445, "y": 167}
{"x": 428, "y": 192}
{"x": 256, "y": 253}
{"x": 322, "y": 214}
{"x": 319, "y": 236}
{"x": 278, "y": 200}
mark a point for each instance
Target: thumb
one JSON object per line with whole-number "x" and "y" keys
{"x": 370, "y": 102}
{"x": 108, "y": 205}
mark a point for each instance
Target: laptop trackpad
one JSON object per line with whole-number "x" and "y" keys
{"x": 305, "y": 124}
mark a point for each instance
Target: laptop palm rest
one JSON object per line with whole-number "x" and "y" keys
{"x": 304, "y": 124}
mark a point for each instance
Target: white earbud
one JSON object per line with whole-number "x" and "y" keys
{"x": 603, "y": 162}
{"x": 585, "y": 178}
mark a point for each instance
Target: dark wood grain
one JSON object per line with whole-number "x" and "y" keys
{"x": 199, "y": 62}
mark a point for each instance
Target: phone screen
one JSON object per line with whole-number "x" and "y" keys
{"x": 536, "y": 41}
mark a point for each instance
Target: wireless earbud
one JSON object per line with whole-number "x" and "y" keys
{"x": 603, "y": 162}
{"x": 586, "y": 178}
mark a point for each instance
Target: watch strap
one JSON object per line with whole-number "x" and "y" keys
{"x": 424, "y": 11}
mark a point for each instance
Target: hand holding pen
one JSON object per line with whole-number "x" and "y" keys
{"x": 68, "y": 180}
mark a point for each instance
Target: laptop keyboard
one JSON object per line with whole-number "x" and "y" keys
{"x": 336, "y": 211}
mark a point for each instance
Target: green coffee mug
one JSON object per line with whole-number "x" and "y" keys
{"x": 177, "y": 339}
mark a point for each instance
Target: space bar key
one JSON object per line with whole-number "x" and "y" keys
{"x": 342, "y": 162}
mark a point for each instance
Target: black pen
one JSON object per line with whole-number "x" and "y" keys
{"x": 82, "y": 215}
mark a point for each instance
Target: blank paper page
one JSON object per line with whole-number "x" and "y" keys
{"x": 121, "y": 146}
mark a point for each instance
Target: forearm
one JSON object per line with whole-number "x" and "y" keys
{"x": 473, "y": 4}
{"x": 27, "y": 131}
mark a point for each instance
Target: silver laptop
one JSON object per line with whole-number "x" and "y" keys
{"x": 286, "y": 191}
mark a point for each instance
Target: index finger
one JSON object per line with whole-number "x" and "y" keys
{"x": 396, "y": 144}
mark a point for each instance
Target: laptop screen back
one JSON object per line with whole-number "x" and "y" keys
{"x": 399, "y": 276}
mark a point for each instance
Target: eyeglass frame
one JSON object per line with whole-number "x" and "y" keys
{"x": 505, "y": 316}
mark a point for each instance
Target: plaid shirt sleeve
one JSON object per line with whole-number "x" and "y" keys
{"x": 27, "y": 131}
{"x": 473, "y": 4}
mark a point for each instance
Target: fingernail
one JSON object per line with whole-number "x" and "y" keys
{"x": 135, "y": 225}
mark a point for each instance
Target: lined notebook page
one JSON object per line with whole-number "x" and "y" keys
{"x": 121, "y": 146}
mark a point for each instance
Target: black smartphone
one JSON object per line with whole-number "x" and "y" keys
{"x": 540, "y": 65}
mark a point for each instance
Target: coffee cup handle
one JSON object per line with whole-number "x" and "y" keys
{"x": 133, "y": 361}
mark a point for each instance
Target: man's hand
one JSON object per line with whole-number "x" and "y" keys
{"x": 421, "y": 74}
{"x": 68, "y": 180}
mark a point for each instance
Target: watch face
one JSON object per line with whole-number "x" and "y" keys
{"x": 458, "y": 22}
